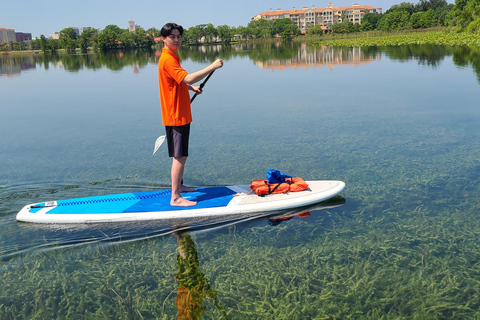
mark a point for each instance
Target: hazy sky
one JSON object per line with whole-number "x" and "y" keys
{"x": 45, "y": 17}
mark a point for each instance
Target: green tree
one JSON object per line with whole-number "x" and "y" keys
{"x": 260, "y": 28}
{"x": 53, "y": 45}
{"x": 87, "y": 39}
{"x": 369, "y": 21}
{"x": 109, "y": 37}
{"x": 210, "y": 33}
{"x": 315, "y": 30}
{"x": 425, "y": 5}
{"x": 43, "y": 43}
{"x": 398, "y": 19}
{"x": 244, "y": 32}
{"x": 34, "y": 44}
{"x": 464, "y": 13}
{"x": 346, "y": 26}
{"x": 290, "y": 31}
{"x": 225, "y": 33}
{"x": 154, "y": 31}
{"x": 68, "y": 39}
{"x": 280, "y": 25}
{"x": 404, "y": 6}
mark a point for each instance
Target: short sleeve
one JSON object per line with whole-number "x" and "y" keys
{"x": 174, "y": 70}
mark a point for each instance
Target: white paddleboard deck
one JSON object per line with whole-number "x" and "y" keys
{"x": 155, "y": 205}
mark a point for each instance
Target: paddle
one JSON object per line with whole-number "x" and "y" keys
{"x": 160, "y": 139}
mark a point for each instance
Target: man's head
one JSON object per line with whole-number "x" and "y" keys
{"x": 169, "y": 27}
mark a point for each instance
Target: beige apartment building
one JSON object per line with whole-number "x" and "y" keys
{"x": 7, "y": 35}
{"x": 324, "y": 17}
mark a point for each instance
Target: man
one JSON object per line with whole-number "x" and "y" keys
{"x": 174, "y": 83}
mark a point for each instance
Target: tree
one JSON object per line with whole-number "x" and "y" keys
{"x": 68, "y": 39}
{"x": 404, "y": 6}
{"x": 210, "y": 33}
{"x": 425, "y": 5}
{"x": 369, "y": 21}
{"x": 43, "y": 43}
{"x": 260, "y": 28}
{"x": 346, "y": 26}
{"x": 290, "y": 31}
{"x": 315, "y": 30}
{"x": 154, "y": 31}
{"x": 53, "y": 45}
{"x": 280, "y": 25}
{"x": 398, "y": 19}
{"x": 87, "y": 39}
{"x": 225, "y": 33}
{"x": 464, "y": 13}
{"x": 109, "y": 37}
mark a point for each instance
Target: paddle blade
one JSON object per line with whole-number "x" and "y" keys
{"x": 158, "y": 143}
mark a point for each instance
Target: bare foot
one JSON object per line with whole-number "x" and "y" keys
{"x": 187, "y": 189}
{"x": 182, "y": 202}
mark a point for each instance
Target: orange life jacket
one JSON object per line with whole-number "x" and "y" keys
{"x": 262, "y": 187}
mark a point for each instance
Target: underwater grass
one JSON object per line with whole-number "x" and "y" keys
{"x": 376, "y": 257}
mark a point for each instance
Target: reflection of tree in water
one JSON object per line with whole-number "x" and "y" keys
{"x": 266, "y": 53}
{"x": 432, "y": 55}
{"x": 193, "y": 286}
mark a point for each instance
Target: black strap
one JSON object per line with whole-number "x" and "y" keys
{"x": 270, "y": 191}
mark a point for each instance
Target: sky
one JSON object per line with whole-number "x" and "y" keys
{"x": 48, "y": 16}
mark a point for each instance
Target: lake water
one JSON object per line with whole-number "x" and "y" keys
{"x": 400, "y": 125}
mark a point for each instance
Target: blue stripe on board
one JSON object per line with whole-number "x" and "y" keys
{"x": 147, "y": 201}
{"x": 211, "y": 197}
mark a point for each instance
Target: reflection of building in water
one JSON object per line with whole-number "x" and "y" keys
{"x": 324, "y": 17}
{"x": 13, "y": 66}
{"x": 136, "y": 68}
{"x": 308, "y": 57}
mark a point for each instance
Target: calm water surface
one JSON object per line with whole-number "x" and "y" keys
{"x": 400, "y": 125}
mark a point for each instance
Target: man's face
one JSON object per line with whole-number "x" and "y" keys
{"x": 173, "y": 41}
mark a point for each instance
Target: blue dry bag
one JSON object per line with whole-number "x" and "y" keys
{"x": 275, "y": 176}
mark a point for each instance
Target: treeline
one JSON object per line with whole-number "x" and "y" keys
{"x": 112, "y": 37}
{"x": 259, "y": 29}
{"x": 464, "y": 16}
{"x": 406, "y": 15}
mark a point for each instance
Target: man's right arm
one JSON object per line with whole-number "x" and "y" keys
{"x": 194, "y": 77}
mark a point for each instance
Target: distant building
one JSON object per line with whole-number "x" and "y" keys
{"x": 79, "y": 30}
{"x": 131, "y": 26}
{"x": 23, "y": 37}
{"x": 7, "y": 35}
{"x": 324, "y": 17}
{"x": 55, "y": 35}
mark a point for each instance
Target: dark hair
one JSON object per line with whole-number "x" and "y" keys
{"x": 169, "y": 27}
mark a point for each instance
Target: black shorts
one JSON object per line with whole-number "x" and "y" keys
{"x": 177, "y": 140}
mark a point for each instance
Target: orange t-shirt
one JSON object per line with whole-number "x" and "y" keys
{"x": 174, "y": 96}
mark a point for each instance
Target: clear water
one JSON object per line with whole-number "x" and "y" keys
{"x": 400, "y": 125}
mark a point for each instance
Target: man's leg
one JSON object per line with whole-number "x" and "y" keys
{"x": 178, "y": 166}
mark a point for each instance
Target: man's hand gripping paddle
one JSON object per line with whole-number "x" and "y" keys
{"x": 160, "y": 139}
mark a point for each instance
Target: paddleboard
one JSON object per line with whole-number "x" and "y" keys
{"x": 155, "y": 205}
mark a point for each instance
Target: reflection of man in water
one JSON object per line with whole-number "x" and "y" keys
{"x": 192, "y": 284}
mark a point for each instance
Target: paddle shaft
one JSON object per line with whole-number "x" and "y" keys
{"x": 202, "y": 85}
